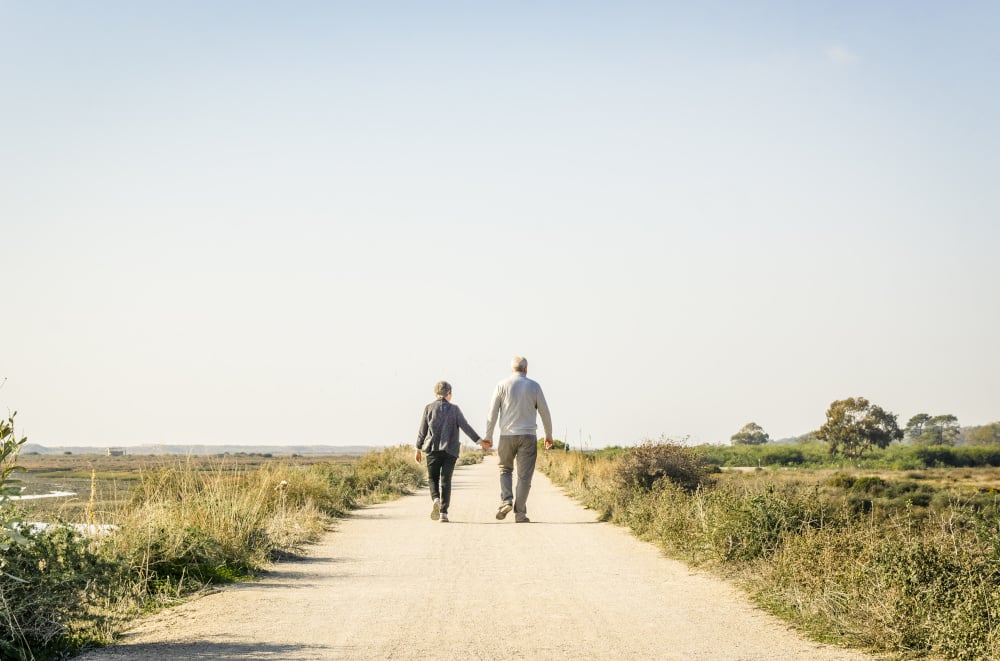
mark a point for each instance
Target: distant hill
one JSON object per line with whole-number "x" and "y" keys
{"x": 160, "y": 449}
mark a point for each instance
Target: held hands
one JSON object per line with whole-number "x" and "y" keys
{"x": 486, "y": 444}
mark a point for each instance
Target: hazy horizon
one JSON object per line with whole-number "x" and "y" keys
{"x": 282, "y": 224}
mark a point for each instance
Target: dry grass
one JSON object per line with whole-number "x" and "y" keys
{"x": 181, "y": 523}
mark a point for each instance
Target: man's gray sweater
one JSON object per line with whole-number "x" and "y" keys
{"x": 516, "y": 401}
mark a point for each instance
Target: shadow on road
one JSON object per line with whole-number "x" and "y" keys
{"x": 534, "y": 522}
{"x": 207, "y": 649}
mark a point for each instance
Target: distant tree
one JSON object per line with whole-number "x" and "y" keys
{"x": 556, "y": 444}
{"x": 940, "y": 430}
{"x": 808, "y": 437}
{"x": 915, "y": 427}
{"x": 854, "y": 425}
{"x": 750, "y": 434}
{"x": 984, "y": 435}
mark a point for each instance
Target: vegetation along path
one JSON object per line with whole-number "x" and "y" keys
{"x": 392, "y": 584}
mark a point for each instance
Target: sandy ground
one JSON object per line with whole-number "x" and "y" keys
{"x": 390, "y": 583}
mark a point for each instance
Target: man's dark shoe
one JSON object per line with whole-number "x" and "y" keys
{"x": 503, "y": 510}
{"x": 523, "y": 519}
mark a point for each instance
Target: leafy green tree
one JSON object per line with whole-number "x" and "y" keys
{"x": 940, "y": 430}
{"x": 915, "y": 427}
{"x": 808, "y": 437}
{"x": 854, "y": 425}
{"x": 750, "y": 434}
{"x": 984, "y": 435}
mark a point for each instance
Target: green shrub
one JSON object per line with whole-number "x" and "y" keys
{"x": 337, "y": 491}
{"x": 841, "y": 480}
{"x": 49, "y": 589}
{"x": 750, "y": 526}
{"x": 781, "y": 455}
{"x": 388, "y": 473}
{"x": 935, "y": 455}
{"x": 641, "y": 468}
{"x": 870, "y": 485}
{"x": 927, "y": 589}
{"x": 769, "y": 454}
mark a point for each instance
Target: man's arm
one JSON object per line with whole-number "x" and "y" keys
{"x": 543, "y": 411}
{"x": 491, "y": 418}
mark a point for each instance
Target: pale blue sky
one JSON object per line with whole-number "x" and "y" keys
{"x": 283, "y": 222}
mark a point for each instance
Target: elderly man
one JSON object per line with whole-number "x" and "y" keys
{"x": 516, "y": 401}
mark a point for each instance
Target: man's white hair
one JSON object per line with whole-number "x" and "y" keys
{"x": 519, "y": 364}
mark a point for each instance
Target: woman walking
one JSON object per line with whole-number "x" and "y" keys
{"x": 438, "y": 439}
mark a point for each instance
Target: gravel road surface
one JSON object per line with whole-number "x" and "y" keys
{"x": 390, "y": 583}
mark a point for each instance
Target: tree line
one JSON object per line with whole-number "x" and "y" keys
{"x": 855, "y": 425}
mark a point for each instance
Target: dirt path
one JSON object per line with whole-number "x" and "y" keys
{"x": 392, "y": 584}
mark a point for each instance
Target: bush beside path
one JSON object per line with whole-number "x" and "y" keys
{"x": 391, "y": 583}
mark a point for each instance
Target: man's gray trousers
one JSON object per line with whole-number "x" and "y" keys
{"x": 523, "y": 450}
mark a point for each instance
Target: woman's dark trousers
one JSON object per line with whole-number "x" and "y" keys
{"x": 440, "y": 466}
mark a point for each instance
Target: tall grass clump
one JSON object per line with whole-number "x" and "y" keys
{"x": 585, "y": 476}
{"x": 47, "y": 575}
{"x": 874, "y": 562}
{"x": 468, "y": 457}
{"x": 388, "y": 474}
{"x": 643, "y": 468}
{"x": 185, "y": 526}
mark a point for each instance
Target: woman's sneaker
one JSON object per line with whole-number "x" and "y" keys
{"x": 503, "y": 510}
{"x": 436, "y": 510}
{"x": 444, "y": 518}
